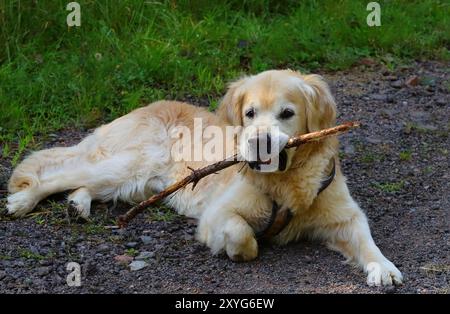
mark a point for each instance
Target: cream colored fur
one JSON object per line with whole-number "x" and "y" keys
{"x": 129, "y": 159}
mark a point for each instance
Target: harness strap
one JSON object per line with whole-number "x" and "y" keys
{"x": 279, "y": 219}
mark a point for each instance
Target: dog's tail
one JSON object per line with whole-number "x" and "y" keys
{"x": 29, "y": 172}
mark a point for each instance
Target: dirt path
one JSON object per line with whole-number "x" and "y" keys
{"x": 398, "y": 169}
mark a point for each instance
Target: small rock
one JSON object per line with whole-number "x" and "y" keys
{"x": 145, "y": 255}
{"x": 131, "y": 245}
{"x": 137, "y": 265}
{"x": 103, "y": 248}
{"x": 45, "y": 262}
{"x": 19, "y": 264}
{"x": 379, "y": 97}
{"x": 390, "y": 289}
{"x": 347, "y": 102}
{"x": 34, "y": 250}
{"x": 43, "y": 271}
{"x": 412, "y": 81}
{"x": 441, "y": 101}
{"x": 28, "y": 281}
{"x": 388, "y": 113}
{"x": 419, "y": 115}
{"x": 146, "y": 239}
{"x": 120, "y": 232}
{"x": 90, "y": 267}
{"x": 2, "y": 275}
{"x": 123, "y": 259}
{"x": 349, "y": 149}
{"x": 391, "y": 77}
{"x": 430, "y": 88}
{"x": 427, "y": 127}
{"x": 397, "y": 84}
{"x": 373, "y": 140}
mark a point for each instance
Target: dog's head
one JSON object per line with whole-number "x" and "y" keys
{"x": 272, "y": 107}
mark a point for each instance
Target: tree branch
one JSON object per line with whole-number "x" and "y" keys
{"x": 197, "y": 174}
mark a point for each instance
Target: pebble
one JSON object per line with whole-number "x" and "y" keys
{"x": 441, "y": 102}
{"x": 89, "y": 267}
{"x": 123, "y": 259}
{"x": 43, "y": 271}
{"x": 19, "y": 264}
{"x": 45, "y": 262}
{"x": 373, "y": 140}
{"x": 137, "y": 265}
{"x": 389, "y": 113}
{"x": 349, "y": 149}
{"x": 28, "y": 281}
{"x": 146, "y": 239}
{"x": 397, "y": 84}
{"x": 2, "y": 275}
{"x": 145, "y": 255}
{"x": 131, "y": 245}
{"x": 103, "y": 248}
{"x": 390, "y": 289}
{"x": 413, "y": 81}
{"x": 34, "y": 250}
{"x": 380, "y": 97}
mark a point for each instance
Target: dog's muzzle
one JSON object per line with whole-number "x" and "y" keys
{"x": 265, "y": 152}
{"x": 282, "y": 162}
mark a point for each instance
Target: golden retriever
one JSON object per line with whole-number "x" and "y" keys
{"x": 132, "y": 157}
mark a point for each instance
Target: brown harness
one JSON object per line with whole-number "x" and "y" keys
{"x": 279, "y": 219}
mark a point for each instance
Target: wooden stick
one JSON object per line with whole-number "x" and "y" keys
{"x": 198, "y": 174}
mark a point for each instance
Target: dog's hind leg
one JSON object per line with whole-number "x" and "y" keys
{"x": 27, "y": 184}
{"x": 80, "y": 200}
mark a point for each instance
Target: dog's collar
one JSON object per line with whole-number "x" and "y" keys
{"x": 279, "y": 219}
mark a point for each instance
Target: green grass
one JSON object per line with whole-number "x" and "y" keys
{"x": 405, "y": 155}
{"x": 162, "y": 213}
{"x": 369, "y": 157}
{"x": 129, "y": 53}
{"x": 28, "y": 254}
{"x": 390, "y": 187}
{"x": 132, "y": 252}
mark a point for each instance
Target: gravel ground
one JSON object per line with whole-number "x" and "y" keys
{"x": 397, "y": 166}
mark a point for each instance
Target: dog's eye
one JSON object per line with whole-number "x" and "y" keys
{"x": 286, "y": 113}
{"x": 250, "y": 113}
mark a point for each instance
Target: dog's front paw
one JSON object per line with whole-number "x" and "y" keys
{"x": 384, "y": 273}
{"x": 246, "y": 249}
{"x": 240, "y": 242}
{"x": 20, "y": 203}
{"x": 234, "y": 236}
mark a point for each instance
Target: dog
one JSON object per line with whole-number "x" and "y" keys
{"x": 130, "y": 159}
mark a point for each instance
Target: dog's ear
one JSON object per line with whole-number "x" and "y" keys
{"x": 321, "y": 109}
{"x": 230, "y": 108}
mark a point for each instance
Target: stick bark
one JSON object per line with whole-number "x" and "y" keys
{"x": 198, "y": 174}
